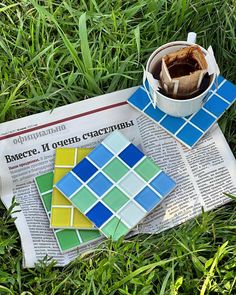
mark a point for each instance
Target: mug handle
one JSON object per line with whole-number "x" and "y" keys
{"x": 191, "y": 38}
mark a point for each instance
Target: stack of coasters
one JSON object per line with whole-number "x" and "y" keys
{"x": 115, "y": 186}
{"x": 67, "y": 239}
{"x": 63, "y": 214}
{"x": 189, "y": 130}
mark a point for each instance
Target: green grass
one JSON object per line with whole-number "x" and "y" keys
{"x": 51, "y": 54}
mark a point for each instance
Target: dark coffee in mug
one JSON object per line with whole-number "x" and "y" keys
{"x": 181, "y": 69}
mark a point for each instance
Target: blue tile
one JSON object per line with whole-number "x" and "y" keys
{"x": 84, "y": 169}
{"x": 163, "y": 184}
{"x": 203, "y": 120}
{"x": 100, "y": 155}
{"x": 155, "y": 114}
{"x": 68, "y": 184}
{"x": 172, "y": 124}
{"x": 116, "y": 142}
{"x": 131, "y": 155}
{"x": 147, "y": 199}
{"x": 227, "y": 91}
{"x": 139, "y": 99}
{"x": 99, "y": 214}
{"x": 100, "y": 184}
{"x": 216, "y": 106}
{"x": 189, "y": 134}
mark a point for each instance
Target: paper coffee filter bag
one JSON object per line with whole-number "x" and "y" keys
{"x": 180, "y": 85}
{"x": 187, "y": 85}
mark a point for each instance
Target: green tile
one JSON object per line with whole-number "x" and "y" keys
{"x": 47, "y": 201}
{"x": 45, "y": 182}
{"x": 115, "y": 199}
{"x": 68, "y": 239}
{"x": 115, "y": 169}
{"x": 88, "y": 235}
{"x": 83, "y": 199}
{"x": 115, "y": 228}
{"x": 147, "y": 169}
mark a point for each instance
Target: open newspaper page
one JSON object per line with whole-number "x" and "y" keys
{"x": 28, "y": 147}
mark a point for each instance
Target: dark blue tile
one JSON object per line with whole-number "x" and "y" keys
{"x": 100, "y": 155}
{"x": 227, "y": 91}
{"x": 203, "y": 120}
{"x": 100, "y": 184}
{"x": 139, "y": 99}
{"x": 216, "y": 106}
{"x": 99, "y": 214}
{"x": 172, "y": 124}
{"x": 131, "y": 155}
{"x": 163, "y": 184}
{"x": 84, "y": 169}
{"x": 147, "y": 199}
{"x": 68, "y": 184}
{"x": 155, "y": 114}
{"x": 189, "y": 134}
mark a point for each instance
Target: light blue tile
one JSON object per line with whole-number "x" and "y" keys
{"x": 131, "y": 184}
{"x": 116, "y": 142}
{"x": 131, "y": 214}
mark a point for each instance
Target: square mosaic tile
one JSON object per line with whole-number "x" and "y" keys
{"x": 67, "y": 239}
{"x": 116, "y": 186}
{"x": 63, "y": 214}
{"x": 189, "y": 130}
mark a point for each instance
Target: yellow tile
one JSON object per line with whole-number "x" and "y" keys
{"x": 60, "y": 217}
{"x": 59, "y": 173}
{"x": 79, "y": 220}
{"x": 65, "y": 156}
{"x": 59, "y": 199}
{"x": 82, "y": 153}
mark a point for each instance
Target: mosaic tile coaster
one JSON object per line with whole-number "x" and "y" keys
{"x": 67, "y": 239}
{"x": 116, "y": 186}
{"x": 63, "y": 214}
{"x": 189, "y": 130}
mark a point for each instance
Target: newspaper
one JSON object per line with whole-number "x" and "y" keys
{"x": 28, "y": 146}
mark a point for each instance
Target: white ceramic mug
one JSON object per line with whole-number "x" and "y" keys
{"x": 175, "y": 107}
